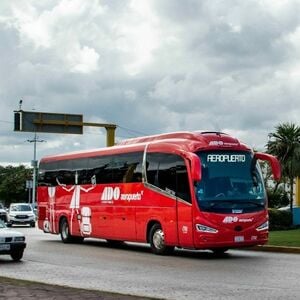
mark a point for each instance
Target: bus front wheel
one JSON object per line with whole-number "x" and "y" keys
{"x": 157, "y": 241}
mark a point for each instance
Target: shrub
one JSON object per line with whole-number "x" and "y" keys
{"x": 279, "y": 219}
{"x": 278, "y": 198}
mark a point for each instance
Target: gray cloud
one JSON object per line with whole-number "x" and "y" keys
{"x": 148, "y": 66}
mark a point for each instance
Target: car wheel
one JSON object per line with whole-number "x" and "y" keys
{"x": 157, "y": 241}
{"x": 17, "y": 255}
{"x": 32, "y": 224}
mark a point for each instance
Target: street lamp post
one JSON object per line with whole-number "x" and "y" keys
{"x": 34, "y": 165}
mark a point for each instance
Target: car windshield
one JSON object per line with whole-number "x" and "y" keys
{"x": 231, "y": 183}
{"x": 20, "y": 207}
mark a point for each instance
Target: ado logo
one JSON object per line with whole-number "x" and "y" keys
{"x": 229, "y": 220}
{"x": 110, "y": 193}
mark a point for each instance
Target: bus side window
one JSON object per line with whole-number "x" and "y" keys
{"x": 116, "y": 168}
{"x": 169, "y": 173}
{"x": 128, "y": 177}
{"x": 100, "y": 168}
{"x": 183, "y": 188}
{"x": 47, "y": 174}
{"x": 131, "y": 170}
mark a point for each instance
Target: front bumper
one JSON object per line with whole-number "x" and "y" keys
{"x": 23, "y": 220}
{"x": 8, "y": 248}
{"x": 233, "y": 240}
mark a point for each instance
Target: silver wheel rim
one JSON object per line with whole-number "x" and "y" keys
{"x": 159, "y": 239}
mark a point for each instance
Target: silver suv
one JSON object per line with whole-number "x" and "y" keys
{"x": 21, "y": 213}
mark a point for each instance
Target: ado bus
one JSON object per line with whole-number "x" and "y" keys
{"x": 197, "y": 190}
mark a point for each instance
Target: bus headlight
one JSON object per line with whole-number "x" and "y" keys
{"x": 204, "y": 228}
{"x": 264, "y": 226}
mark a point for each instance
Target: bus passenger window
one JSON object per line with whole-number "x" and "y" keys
{"x": 169, "y": 173}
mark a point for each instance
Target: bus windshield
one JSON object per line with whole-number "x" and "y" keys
{"x": 231, "y": 183}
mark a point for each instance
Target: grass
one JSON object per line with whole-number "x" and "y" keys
{"x": 289, "y": 238}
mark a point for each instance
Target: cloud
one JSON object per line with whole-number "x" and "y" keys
{"x": 150, "y": 67}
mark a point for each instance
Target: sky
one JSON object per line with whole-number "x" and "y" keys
{"x": 148, "y": 66}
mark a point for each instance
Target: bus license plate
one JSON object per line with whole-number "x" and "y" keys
{"x": 239, "y": 239}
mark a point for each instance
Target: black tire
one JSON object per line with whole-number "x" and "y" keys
{"x": 64, "y": 230}
{"x": 157, "y": 241}
{"x": 65, "y": 235}
{"x": 32, "y": 224}
{"x": 17, "y": 255}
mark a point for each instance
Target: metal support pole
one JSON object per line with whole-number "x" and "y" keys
{"x": 110, "y": 136}
{"x": 110, "y": 131}
{"x": 34, "y": 165}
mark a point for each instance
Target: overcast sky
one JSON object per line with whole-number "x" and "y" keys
{"x": 149, "y": 66}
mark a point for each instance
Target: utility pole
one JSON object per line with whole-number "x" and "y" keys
{"x": 34, "y": 165}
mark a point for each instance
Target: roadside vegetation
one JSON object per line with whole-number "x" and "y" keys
{"x": 13, "y": 184}
{"x": 287, "y": 238}
{"x": 285, "y": 144}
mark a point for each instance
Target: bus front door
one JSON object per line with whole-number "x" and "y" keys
{"x": 184, "y": 224}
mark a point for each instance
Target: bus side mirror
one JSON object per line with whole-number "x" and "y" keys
{"x": 195, "y": 167}
{"x": 273, "y": 161}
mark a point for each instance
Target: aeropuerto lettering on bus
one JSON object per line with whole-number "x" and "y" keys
{"x": 199, "y": 190}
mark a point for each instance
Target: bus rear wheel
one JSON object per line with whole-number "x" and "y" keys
{"x": 157, "y": 241}
{"x": 65, "y": 231}
{"x": 65, "y": 235}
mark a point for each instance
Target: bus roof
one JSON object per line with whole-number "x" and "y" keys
{"x": 178, "y": 141}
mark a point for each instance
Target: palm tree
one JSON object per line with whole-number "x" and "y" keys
{"x": 285, "y": 144}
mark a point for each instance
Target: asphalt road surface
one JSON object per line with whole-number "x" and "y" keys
{"x": 133, "y": 269}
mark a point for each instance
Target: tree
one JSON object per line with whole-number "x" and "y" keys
{"x": 13, "y": 183}
{"x": 285, "y": 144}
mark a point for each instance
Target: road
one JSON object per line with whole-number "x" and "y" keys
{"x": 134, "y": 270}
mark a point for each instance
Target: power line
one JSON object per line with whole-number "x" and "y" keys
{"x": 132, "y": 130}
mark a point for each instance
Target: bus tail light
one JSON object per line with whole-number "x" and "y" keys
{"x": 264, "y": 226}
{"x": 204, "y": 228}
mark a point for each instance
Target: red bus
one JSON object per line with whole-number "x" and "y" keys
{"x": 196, "y": 190}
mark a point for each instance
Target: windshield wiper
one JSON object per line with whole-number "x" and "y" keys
{"x": 236, "y": 202}
{"x": 217, "y": 203}
{"x": 255, "y": 203}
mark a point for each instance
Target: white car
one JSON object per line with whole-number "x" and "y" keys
{"x": 22, "y": 214}
{"x": 11, "y": 242}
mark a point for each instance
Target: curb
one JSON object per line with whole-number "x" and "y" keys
{"x": 281, "y": 249}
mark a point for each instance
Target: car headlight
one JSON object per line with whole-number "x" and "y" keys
{"x": 263, "y": 226}
{"x": 19, "y": 238}
{"x": 204, "y": 228}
